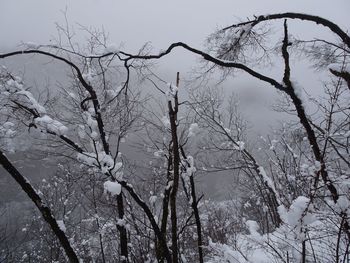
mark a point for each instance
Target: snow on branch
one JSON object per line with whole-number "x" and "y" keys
{"x": 102, "y": 161}
{"x": 12, "y": 89}
{"x": 51, "y": 125}
{"x": 114, "y": 188}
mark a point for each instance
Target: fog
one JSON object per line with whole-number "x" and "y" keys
{"x": 132, "y": 24}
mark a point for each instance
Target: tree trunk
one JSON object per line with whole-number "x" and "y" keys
{"x": 176, "y": 170}
{"x": 44, "y": 210}
{"x": 122, "y": 230}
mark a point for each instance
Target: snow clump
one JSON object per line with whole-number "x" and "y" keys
{"x": 114, "y": 188}
{"x": 172, "y": 91}
{"x": 51, "y": 125}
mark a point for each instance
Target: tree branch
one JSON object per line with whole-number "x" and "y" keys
{"x": 43, "y": 208}
{"x": 207, "y": 57}
{"x": 316, "y": 19}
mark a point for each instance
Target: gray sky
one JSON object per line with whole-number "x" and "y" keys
{"x": 135, "y": 22}
{"x": 161, "y": 22}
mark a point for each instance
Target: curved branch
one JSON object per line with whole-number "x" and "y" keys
{"x": 306, "y": 17}
{"x": 99, "y": 120}
{"x": 85, "y": 84}
{"x": 43, "y": 208}
{"x": 207, "y": 57}
{"x": 70, "y": 142}
{"x": 35, "y": 51}
{"x": 309, "y": 131}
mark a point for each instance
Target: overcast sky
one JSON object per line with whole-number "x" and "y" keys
{"x": 135, "y": 22}
{"x": 161, "y": 22}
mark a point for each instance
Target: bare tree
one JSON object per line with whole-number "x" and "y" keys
{"x": 97, "y": 110}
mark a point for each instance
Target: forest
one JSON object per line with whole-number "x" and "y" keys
{"x": 127, "y": 157}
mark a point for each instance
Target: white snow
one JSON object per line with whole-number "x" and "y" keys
{"x": 228, "y": 44}
{"x": 31, "y": 45}
{"x": 225, "y": 253}
{"x": 253, "y": 228}
{"x": 7, "y": 133}
{"x": 268, "y": 180}
{"x": 90, "y": 121}
{"x": 31, "y": 101}
{"x": 118, "y": 166}
{"x": 12, "y": 89}
{"x": 102, "y": 160}
{"x": 273, "y": 144}
{"x": 189, "y": 164}
{"x": 94, "y": 135}
{"x": 245, "y": 30}
{"x": 61, "y": 225}
{"x": 298, "y": 213}
{"x": 72, "y": 95}
{"x": 121, "y": 222}
{"x": 14, "y": 85}
{"x": 51, "y": 125}
{"x": 114, "y": 188}
{"x": 112, "y": 93}
{"x": 87, "y": 158}
{"x": 343, "y": 204}
{"x": 169, "y": 185}
{"x": 172, "y": 91}
{"x": 240, "y": 146}
{"x": 88, "y": 76}
{"x": 5, "y": 129}
{"x": 26, "y": 98}
{"x": 228, "y": 131}
{"x": 158, "y": 153}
